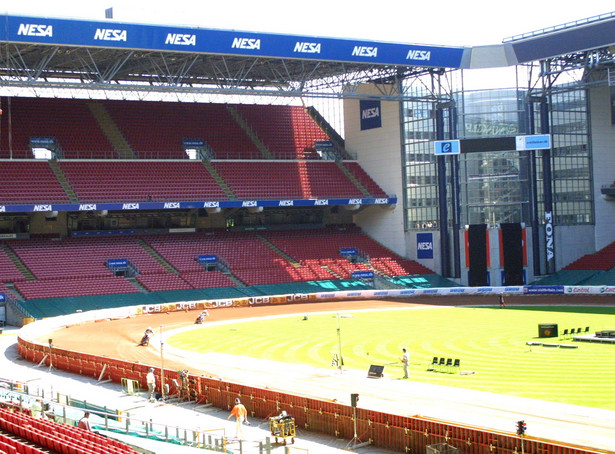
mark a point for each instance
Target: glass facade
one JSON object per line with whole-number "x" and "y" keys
{"x": 420, "y": 177}
{"x": 498, "y": 187}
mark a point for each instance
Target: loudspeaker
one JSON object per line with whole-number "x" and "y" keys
{"x": 375, "y": 371}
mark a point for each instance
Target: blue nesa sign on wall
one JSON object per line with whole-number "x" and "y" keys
{"x": 370, "y": 114}
{"x": 424, "y": 245}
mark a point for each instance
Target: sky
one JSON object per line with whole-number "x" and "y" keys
{"x": 442, "y": 22}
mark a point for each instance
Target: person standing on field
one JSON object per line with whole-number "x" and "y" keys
{"x": 405, "y": 360}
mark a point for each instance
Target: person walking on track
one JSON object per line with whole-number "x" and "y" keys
{"x": 241, "y": 414}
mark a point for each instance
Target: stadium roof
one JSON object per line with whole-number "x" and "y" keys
{"x": 108, "y": 55}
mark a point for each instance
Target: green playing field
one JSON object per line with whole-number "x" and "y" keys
{"x": 491, "y": 344}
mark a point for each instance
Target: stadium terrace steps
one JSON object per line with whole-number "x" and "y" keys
{"x": 352, "y": 178}
{"x": 218, "y": 179}
{"x": 57, "y": 171}
{"x": 364, "y": 179}
{"x": 278, "y": 251}
{"x": 288, "y": 132}
{"x": 31, "y": 181}
{"x": 161, "y": 127}
{"x": 246, "y": 127}
{"x": 72, "y": 125}
{"x": 338, "y": 141}
{"x": 602, "y": 260}
{"x": 121, "y": 181}
{"x": 165, "y": 262}
{"x": 12, "y": 268}
{"x": 111, "y": 131}
{"x": 151, "y": 251}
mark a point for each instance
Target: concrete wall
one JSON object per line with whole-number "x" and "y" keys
{"x": 603, "y": 151}
{"x": 379, "y": 153}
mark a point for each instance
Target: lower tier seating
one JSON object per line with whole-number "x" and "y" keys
{"x": 77, "y": 266}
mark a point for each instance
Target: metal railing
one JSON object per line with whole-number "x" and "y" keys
{"x": 66, "y": 410}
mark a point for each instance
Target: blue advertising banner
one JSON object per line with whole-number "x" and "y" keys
{"x": 207, "y": 258}
{"x": 108, "y": 34}
{"x": 362, "y": 274}
{"x": 121, "y": 206}
{"x": 544, "y": 289}
{"x": 194, "y": 143}
{"x": 370, "y": 114}
{"x": 117, "y": 263}
{"x": 424, "y": 245}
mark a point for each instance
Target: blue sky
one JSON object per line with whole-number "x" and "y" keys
{"x": 445, "y": 22}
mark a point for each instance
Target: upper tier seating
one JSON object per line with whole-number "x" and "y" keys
{"x": 603, "y": 260}
{"x": 29, "y": 182}
{"x": 138, "y": 181}
{"x": 289, "y": 180}
{"x": 287, "y": 131}
{"x": 363, "y": 178}
{"x": 69, "y": 121}
{"x": 161, "y": 127}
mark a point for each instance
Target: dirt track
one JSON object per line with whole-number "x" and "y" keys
{"x": 119, "y": 338}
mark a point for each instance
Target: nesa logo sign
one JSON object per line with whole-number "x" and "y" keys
{"x": 35, "y": 30}
{"x": 246, "y": 43}
{"x": 424, "y": 245}
{"x": 180, "y": 39}
{"x": 307, "y": 48}
{"x": 364, "y": 51}
{"x": 422, "y": 55}
{"x": 106, "y": 34}
{"x": 370, "y": 114}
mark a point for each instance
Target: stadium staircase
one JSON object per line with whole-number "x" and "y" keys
{"x": 278, "y": 251}
{"x": 234, "y": 278}
{"x": 21, "y": 266}
{"x": 352, "y": 178}
{"x": 338, "y": 141}
{"x": 140, "y": 287}
{"x": 112, "y": 132}
{"x": 57, "y": 171}
{"x": 151, "y": 251}
{"x": 249, "y": 131}
{"x": 218, "y": 179}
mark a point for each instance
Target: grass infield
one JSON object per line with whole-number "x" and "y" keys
{"x": 490, "y": 342}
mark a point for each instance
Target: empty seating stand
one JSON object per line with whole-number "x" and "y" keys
{"x": 254, "y": 180}
{"x": 141, "y": 181}
{"x": 287, "y": 131}
{"x": 30, "y": 181}
{"x": 68, "y": 121}
{"x": 51, "y": 436}
{"x": 602, "y": 260}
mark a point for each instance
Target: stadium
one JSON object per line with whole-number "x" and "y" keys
{"x": 151, "y": 172}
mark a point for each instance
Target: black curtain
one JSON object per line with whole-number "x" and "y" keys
{"x": 477, "y": 239}
{"x": 512, "y": 249}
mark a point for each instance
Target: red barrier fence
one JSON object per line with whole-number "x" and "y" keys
{"x": 400, "y": 433}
